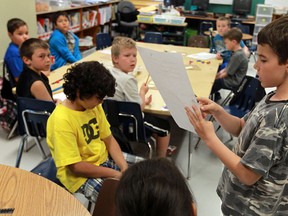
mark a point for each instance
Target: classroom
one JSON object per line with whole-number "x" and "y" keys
{"x": 169, "y": 35}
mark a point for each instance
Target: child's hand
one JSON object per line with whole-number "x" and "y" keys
{"x": 208, "y": 106}
{"x": 144, "y": 88}
{"x": 148, "y": 100}
{"x": 204, "y": 129}
{"x": 218, "y": 56}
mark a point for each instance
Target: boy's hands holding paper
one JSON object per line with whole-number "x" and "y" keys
{"x": 204, "y": 128}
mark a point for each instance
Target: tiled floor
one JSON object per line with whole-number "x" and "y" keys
{"x": 206, "y": 168}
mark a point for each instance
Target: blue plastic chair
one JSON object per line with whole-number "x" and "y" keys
{"x": 103, "y": 40}
{"x": 153, "y": 37}
{"x": 130, "y": 116}
{"x": 32, "y": 119}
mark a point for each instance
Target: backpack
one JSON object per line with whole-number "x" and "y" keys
{"x": 8, "y": 111}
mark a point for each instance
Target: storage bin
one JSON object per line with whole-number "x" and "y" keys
{"x": 264, "y": 10}
{"x": 60, "y": 3}
{"x": 160, "y": 19}
{"x": 257, "y": 28}
{"x": 263, "y": 20}
{"x": 145, "y": 18}
{"x": 177, "y": 20}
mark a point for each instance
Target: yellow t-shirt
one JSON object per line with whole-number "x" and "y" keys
{"x": 75, "y": 136}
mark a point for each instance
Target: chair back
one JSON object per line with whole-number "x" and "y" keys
{"x": 105, "y": 204}
{"x": 205, "y": 26}
{"x": 33, "y": 115}
{"x": 126, "y": 17}
{"x": 248, "y": 94}
{"x": 103, "y": 40}
{"x": 129, "y": 115}
{"x": 153, "y": 37}
{"x": 198, "y": 41}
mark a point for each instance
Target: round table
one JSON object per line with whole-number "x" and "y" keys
{"x": 245, "y": 36}
{"x": 25, "y": 193}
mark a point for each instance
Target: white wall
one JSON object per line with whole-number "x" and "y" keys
{"x": 23, "y": 9}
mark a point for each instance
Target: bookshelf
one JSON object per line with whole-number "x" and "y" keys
{"x": 85, "y": 20}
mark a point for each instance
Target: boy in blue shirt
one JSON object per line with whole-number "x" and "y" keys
{"x": 218, "y": 46}
{"x": 18, "y": 33}
{"x": 64, "y": 44}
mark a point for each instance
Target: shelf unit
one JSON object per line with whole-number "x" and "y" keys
{"x": 172, "y": 33}
{"x": 263, "y": 16}
{"x": 86, "y": 20}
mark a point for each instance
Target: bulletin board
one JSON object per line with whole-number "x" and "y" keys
{"x": 224, "y": 2}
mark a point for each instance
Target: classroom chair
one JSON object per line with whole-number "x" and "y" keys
{"x": 126, "y": 17}
{"x": 201, "y": 41}
{"x": 153, "y": 37}
{"x": 131, "y": 121}
{"x": 105, "y": 204}
{"x": 243, "y": 100}
{"x": 205, "y": 26}
{"x": 103, "y": 40}
{"x": 32, "y": 119}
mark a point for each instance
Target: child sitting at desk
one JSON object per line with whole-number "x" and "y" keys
{"x": 32, "y": 82}
{"x": 218, "y": 44}
{"x": 78, "y": 133}
{"x": 18, "y": 33}
{"x": 231, "y": 76}
{"x": 124, "y": 58}
{"x": 64, "y": 44}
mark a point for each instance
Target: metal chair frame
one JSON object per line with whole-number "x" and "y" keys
{"x": 32, "y": 118}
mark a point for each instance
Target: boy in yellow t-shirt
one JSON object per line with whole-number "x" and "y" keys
{"x": 78, "y": 133}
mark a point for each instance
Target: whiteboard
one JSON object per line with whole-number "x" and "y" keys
{"x": 225, "y": 2}
{"x": 276, "y": 3}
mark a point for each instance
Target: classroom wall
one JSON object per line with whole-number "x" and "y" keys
{"x": 23, "y": 9}
{"x": 220, "y": 8}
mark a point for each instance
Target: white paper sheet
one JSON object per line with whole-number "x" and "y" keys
{"x": 202, "y": 56}
{"x": 60, "y": 96}
{"x": 106, "y": 51}
{"x": 168, "y": 73}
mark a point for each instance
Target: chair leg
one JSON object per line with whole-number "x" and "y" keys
{"x": 20, "y": 150}
{"x": 189, "y": 171}
{"x": 150, "y": 149}
{"x": 12, "y": 130}
{"x": 38, "y": 143}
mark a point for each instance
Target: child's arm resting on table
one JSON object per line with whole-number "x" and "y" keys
{"x": 206, "y": 131}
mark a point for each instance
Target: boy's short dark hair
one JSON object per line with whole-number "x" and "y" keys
{"x": 29, "y": 46}
{"x": 153, "y": 187}
{"x": 234, "y": 34}
{"x": 56, "y": 15}
{"x": 14, "y": 23}
{"x": 89, "y": 79}
{"x": 275, "y": 34}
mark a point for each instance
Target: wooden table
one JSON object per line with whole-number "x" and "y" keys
{"x": 33, "y": 195}
{"x": 201, "y": 78}
{"x": 245, "y": 36}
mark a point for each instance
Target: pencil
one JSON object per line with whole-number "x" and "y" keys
{"x": 57, "y": 81}
{"x": 147, "y": 79}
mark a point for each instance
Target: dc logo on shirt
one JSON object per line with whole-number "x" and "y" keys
{"x": 90, "y": 130}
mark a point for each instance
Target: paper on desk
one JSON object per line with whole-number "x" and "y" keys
{"x": 60, "y": 96}
{"x": 106, "y": 51}
{"x": 202, "y": 56}
{"x": 168, "y": 73}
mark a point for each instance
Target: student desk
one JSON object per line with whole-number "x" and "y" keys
{"x": 245, "y": 36}
{"x": 30, "y": 194}
{"x": 201, "y": 76}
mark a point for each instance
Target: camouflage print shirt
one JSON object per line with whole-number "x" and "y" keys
{"x": 263, "y": 147}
